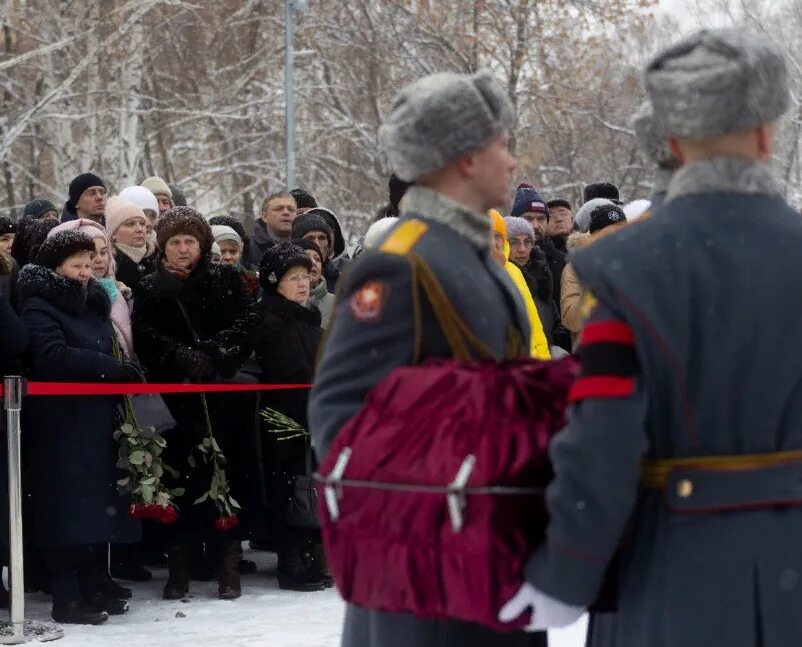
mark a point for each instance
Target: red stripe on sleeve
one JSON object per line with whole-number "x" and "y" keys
{"x": 608, "y": 332}
{"x": 601, "y": 387}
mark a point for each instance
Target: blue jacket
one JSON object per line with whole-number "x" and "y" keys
{"x": 72, "y": 449}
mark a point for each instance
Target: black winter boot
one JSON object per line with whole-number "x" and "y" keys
{"x": 125, "y": 563}
{"x": 228, "y": 580}
{"x": 298, "y": 570}
{"x": 177, "y": 586}
{"x": 77, "y": 612}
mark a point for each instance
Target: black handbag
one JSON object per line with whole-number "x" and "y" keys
{"x": 150, "y": 410}
{"x": 302, "y": 508}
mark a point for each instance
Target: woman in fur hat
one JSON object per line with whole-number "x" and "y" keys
{"x": 286, "y": 347}
{"x": 67, "y": 313}
{"x": 194, "y": 321}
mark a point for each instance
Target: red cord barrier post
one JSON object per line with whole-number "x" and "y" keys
{"x": 12, "y": 390}
{"x": 19, "y": 631}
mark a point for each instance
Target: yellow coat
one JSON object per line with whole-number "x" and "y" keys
{"x": 538, "y": 344}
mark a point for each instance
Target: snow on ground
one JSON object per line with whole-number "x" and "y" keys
{"x": 264, "y": 615}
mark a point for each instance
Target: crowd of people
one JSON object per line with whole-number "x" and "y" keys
{"x": 139, "y": 286}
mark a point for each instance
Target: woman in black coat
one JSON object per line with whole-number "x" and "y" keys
{"x": 193, "y": 321}
{"x": 74, "y": 454}
{"x": 286, "y": 347}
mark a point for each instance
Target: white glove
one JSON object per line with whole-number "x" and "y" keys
{"x": 547, "y": 612}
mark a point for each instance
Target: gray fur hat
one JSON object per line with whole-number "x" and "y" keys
{"x": 717, "y": 82}
{"x": 440, "y": 117}
{"x": 652, "y": 136}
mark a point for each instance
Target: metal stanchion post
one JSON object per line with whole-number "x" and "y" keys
{"x": 19, "y": 631}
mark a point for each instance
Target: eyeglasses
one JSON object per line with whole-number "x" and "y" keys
{"x": 297, "y": 278}
{"x": 526, "y": 244}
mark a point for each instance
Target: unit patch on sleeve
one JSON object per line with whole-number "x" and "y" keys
{"x": 367, "y": 303}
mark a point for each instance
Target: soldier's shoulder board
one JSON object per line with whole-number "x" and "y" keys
{"x": 404, "y": 237}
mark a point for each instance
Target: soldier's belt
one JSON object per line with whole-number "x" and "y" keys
{"x": 718, "y": 483}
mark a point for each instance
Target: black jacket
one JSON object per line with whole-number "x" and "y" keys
{"x": 223, "y": 316}
{"x": 131, "y": 273}
{"x": 556, "y": 260}
{"x": 286, "y": 348}
{"x": 72, "y": 449}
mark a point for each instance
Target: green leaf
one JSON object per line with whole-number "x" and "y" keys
{"x": 234, "y": 502}
{"x": 123, "y": 464}
{"x": 174, "y": 473}
{"x": 146, "y": 433}
{"x": 137, "y": 457}
{"x": 163, "y": 499}
{"x": 147, "y": 493}
{"x": 132, "y": 440}
{"x": 148, "y": 481}
{"x": 161, "y": 442}
{"x": 215, "y": 446}
{"x": 125, "y": 481}
{"x": 148, "y": 459}
{"x": 192, "y": 462}
{"x": 179, "y": 491}
{"x": 202, "y": 499}
{"x": 158, "y": 470}
{"x": 127, "y": 428}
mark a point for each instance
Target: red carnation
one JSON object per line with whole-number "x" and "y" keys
{"x": 226, "y": 523}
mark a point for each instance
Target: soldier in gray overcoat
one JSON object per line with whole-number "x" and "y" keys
{"x": 448, "y": 133}
{"x": 682, "y": 452}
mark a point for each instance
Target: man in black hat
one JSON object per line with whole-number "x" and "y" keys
{"x": 87, "y": 199}
{"x": 606, "y": 190}
{"x": 561, "y": 222}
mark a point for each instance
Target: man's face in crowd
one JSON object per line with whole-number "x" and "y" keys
{"x": 321, "y": 240}
{"x": 561, "y": 221}
{"x": 92, "y": 204}
{"x": 538, "y": 221}
{"x": 278, "y": 215}
{"x": 493, "y": 167}
{"x": 182, "y": 250}
{"x": 6, "y": 241}
{"x": 164, "y": 202}
{"x": 520, "y": 249}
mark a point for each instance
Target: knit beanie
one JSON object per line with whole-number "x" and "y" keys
{"x": 519, "y": 227}
{"x": 277, "y": 261}
{"x": 141, "y": 197}
{"x": 582, "y": 217}
{"x": 236, "y": 225}
{"x": 223, "y": 233}
{"x": 605, "y": 215}
{"x": 441, "y": 117}
{"x": 59, "y": 247}
{"x": 307, "y": 245}
{"x": 7, "y": 226}
{"x": 38, "y": 208}
{"x": 80, "y": 184}
{"x": 602, "y": 190}
{"x": 312, "y": 220}
{"x": 179, "y": 197}
{"x": 377, "y": 231}
{"x": 527, "y": 200}
{"x": 186, "y": 221}
{"x": 119, "y": 211}
{"x": 303, "y": 199}
{"x": 157, "y": 186}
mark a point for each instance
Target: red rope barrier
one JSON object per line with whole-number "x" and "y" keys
{"x": 83, "y": 388}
